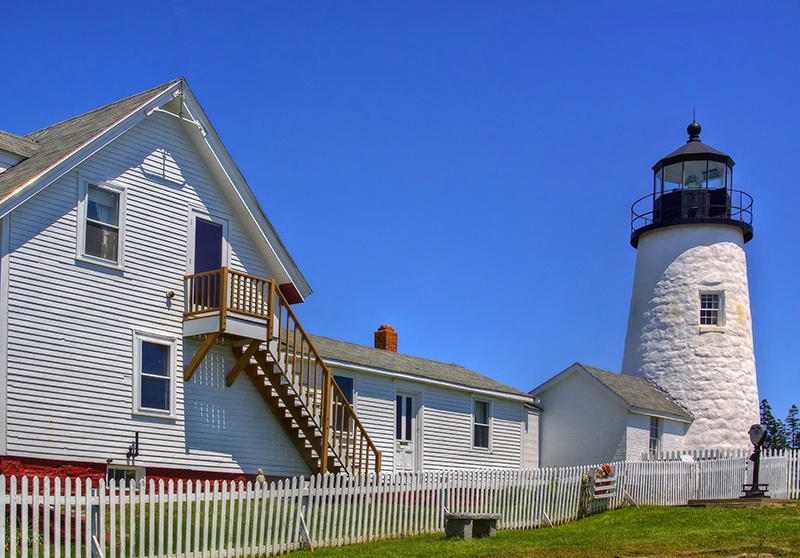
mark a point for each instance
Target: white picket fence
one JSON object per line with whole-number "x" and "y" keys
{"x": 54, "y": 518}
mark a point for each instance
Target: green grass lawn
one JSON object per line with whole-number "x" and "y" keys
{"x": 645, "y": 532}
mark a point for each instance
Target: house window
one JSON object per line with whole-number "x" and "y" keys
{"x": 710, "y": 306}
{"x": 655, "y": 436}
{"x": 480, "y": 427}
{"x": 123, "y": 476}
{"x": 101, "y": 232}
{"x": 154, "y": 373}
{"x": 342, "y": 415}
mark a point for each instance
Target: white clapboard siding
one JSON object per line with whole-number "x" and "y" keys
{"x": 445, "y": 421}
{"x": 71, "y": 324}
{"x": 51, "y": 517}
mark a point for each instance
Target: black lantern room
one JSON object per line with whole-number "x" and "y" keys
{"x": 693, "y": 184}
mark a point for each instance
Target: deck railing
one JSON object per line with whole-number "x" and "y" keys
{"x": 316, "y": 387}
{"x": 229, "y": 292}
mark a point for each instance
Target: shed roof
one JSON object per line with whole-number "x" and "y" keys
{"x": 636, "y": 393}
{"x": 422, "y": 368}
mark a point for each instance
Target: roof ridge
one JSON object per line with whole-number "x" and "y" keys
{"x": 58, "y": 141}
{"x": 381, "y": 359}
{"x": 360, "y": 345}
{"x": 38, "y": 134}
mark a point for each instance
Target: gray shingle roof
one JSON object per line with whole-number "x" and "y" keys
{"x": 638, "y": 392}
{"x": 333, "y": 349}
{"x": 47, "y": 146}
{"x": 17, "y": 145}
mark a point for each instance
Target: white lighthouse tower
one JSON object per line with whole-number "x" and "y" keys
{"x": 689, "y": 329}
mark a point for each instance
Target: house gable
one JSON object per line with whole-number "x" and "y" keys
{"x": 72, "y": 329}
{"x": 53, "y": 151}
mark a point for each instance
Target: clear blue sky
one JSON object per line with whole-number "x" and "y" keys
{"x": 460, "y": 170}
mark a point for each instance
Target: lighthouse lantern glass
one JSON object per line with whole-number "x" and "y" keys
{"x": 673, "y": 177}
{"x": 693, "y": 173}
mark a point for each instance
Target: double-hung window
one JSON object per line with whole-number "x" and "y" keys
{"x": 101, "y": 229}
{"x": 154, "y": 375}
{"x": 481, "y": 424}
{"x": 655, "y": 436}
{"x": 711, "y": 309}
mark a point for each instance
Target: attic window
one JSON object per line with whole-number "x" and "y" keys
{"x": 100, "y": 236}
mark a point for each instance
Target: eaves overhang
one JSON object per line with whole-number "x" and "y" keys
{"x": 660, "y": 414}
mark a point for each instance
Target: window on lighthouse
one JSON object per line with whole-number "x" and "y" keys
{"x": 710, "y": 305}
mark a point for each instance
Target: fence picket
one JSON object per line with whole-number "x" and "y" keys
{"x": 44, "y": 518}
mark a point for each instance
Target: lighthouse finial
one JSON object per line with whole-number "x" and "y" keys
{"x": 693, "y": 130}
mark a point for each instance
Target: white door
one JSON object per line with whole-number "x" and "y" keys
{"x": 406, "y": 442}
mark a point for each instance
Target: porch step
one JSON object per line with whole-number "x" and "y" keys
{"x": 292, "y": 414}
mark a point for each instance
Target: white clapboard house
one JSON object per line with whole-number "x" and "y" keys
{"x": 444, "y": 415}
{"x": 146, "y": 323}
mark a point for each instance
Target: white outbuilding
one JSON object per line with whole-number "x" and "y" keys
{"x": 592, "y": 416}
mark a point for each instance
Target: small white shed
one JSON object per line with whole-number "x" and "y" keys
{"x": 593, "y": 416}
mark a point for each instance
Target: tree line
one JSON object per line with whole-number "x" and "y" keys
{"x": 781, "y": 434}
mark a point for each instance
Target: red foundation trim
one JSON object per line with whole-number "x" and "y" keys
{"x": 36, "y": 467}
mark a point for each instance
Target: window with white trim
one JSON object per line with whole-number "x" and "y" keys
{"x": 655, "y": 436}
{"x": 154, "y": 375}
{"x": 481, "y": 424}
{"x": 123, "y": 476}
{"x": 101, "y": 230}
{"x": 711, "y": 309}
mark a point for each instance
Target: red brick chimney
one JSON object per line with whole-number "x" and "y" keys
{"x": 386, "y": 338}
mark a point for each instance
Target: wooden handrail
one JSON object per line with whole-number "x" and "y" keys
{"x": 232, "y": 292}
{"x": 349, "y": 440}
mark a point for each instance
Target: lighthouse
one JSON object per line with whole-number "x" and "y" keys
{"x": 689, "y": 328}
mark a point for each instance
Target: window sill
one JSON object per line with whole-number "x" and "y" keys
{"x": 712, "y": 328}
{"x": 154, "y": 414}
{"x": 99, "y": 262}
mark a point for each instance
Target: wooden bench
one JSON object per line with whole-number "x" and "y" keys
{"x": 468, "y": 525}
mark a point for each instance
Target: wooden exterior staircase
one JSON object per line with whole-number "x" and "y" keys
{"x": 276, "y": 354}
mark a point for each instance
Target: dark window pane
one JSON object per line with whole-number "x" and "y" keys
{"x": 155, "y": 393}
{"x": 481, "y": 436}
{"x": 343, "y": 415}
{"x": 398, "y": 412}
{"x": 155, "y": 359}
{"x": 481, "y": 412}
{"x": 409, "y": 417}
{"x": 207, "y": 246}
{"x": 346, "y": 385}
{"x": 103, "y": 206}
{"x": 101, "y": 242}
